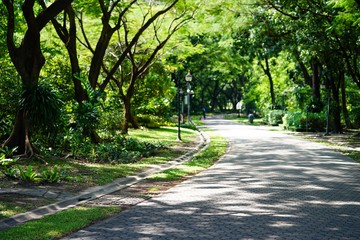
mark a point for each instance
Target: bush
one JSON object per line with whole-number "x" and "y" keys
{"x": 355, "y": 117}
{"x": 35, "y": 175}
{"x": 274, "y": 117}
{"x": 125, "y": 150}
{"x": 292, "y": 121}
{"x": 296, "y": 121}
{"x": 149, "y": 121}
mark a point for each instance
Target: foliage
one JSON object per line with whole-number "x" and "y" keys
{"x": 126, "y": 150}
{"x": 297, "y": 121}
{"x": 6, "y": 163}
{"x": 87, "y": 114}
{"x": 154, "y": 121}
{"x": 52, "y": 175}
{"x": 9, "y": 95}
{"x": 149, "y": 121}
{"x": 43, "y": 106}
{"x": 274, "y": 117}
{"x": 28, "y": 175}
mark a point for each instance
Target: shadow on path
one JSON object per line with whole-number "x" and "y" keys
{"x": 267, "y": 186}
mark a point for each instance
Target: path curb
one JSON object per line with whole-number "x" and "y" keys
{"x": 96, "y": 192}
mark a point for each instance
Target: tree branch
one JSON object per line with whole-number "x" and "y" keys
{"x": 51, "y": 12}
{"x": 9, "y": 4}
{"x": 134, "y": 41}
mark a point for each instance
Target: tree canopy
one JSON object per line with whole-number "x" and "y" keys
{"x": 107, "y": 66}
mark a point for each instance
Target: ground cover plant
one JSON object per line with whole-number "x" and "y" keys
{"x": 73, "y": 175}
{"x": 58, "y": 225}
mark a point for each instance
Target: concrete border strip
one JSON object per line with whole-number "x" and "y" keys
{"x": 96, "y": 192}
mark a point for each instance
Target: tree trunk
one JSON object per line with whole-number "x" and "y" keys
{"x": 214, "y": 100}
{"x": 315, "y": 80}
{"x": 28, "y": 60}
{"x": 304, "y": 70}
{"x": 19, "y": 136}
{"x": 266, "y": 70}
{"x": 336, "y": 111}
{"x": 128, "y": 117}
{"x": 343, "y": 102}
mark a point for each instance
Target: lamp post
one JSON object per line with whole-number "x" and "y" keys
{"x": 188, "y": 79}
{"x": 182, "y": 105}
{"x": 179, "y": 112}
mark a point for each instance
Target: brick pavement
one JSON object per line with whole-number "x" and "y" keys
{"x": 267, "y": 186}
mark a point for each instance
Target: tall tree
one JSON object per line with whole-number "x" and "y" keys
{"x": 28, "y": 60}
{"x": 133, "y": 58}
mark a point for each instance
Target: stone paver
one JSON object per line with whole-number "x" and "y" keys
{"x": 268, "y": 186}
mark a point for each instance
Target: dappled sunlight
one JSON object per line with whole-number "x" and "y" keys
{"x": 267, "y": 186}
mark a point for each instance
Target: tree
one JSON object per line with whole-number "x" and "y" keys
{"x": 114, "y": 15}
{"x": 28, "y": 60}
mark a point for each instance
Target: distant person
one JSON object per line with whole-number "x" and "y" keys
{"x": 204, "y": 112}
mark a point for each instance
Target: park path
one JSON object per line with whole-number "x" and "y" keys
{"x": 268, "y": 186}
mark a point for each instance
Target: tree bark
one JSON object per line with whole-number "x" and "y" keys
{"x": 266, "y": 70}
{"x": 214, "y": 100}
{"x": 19, "y": 136}
{"x": 315, "y": 83}
{"x": 343, "y": 102}
{"x": 28, "y": 61}
{"x": 303, "y": 68}
{"x": 336, "y": 110}
{"x": 128, "y": 117}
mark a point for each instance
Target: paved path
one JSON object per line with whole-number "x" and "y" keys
{"x": 268, "y": 186}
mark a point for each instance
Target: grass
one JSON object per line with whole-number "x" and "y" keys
{"x": 81, "y": 174}
{"x": 205, "y": 159}
{"x": 59, "y": 224}
{"x": 89, "y": 173}
{"x": 71, "y": 220}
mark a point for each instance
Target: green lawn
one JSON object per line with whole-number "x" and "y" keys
{"x": 68, "y": 221}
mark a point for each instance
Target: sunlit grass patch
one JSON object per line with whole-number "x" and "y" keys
{"x": 200, "y": 162}
{"x": 60, "y": 224}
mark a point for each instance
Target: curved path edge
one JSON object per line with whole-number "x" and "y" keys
{"x": 99, "y": 191}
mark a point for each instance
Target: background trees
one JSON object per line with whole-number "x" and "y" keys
{"x": 110, "y": 62}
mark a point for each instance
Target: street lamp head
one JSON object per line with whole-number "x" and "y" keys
{"x": 188, "y": 77}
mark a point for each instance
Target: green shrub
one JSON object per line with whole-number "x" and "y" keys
{"x": 35, "y": 175}
{"x": 355, "y": 117}
{"x": 42, "y": 105}
{"x": 149, "y": 121}
{"x": 51, "y": 175}
{"x": 126, "y": 150}
{"x": 292, "y": 121}
{"x": 296, "y": 121}
{"x": 274, "y": 117}
{"x": 29, "y": 174}
{"x": 6, "y": 162}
